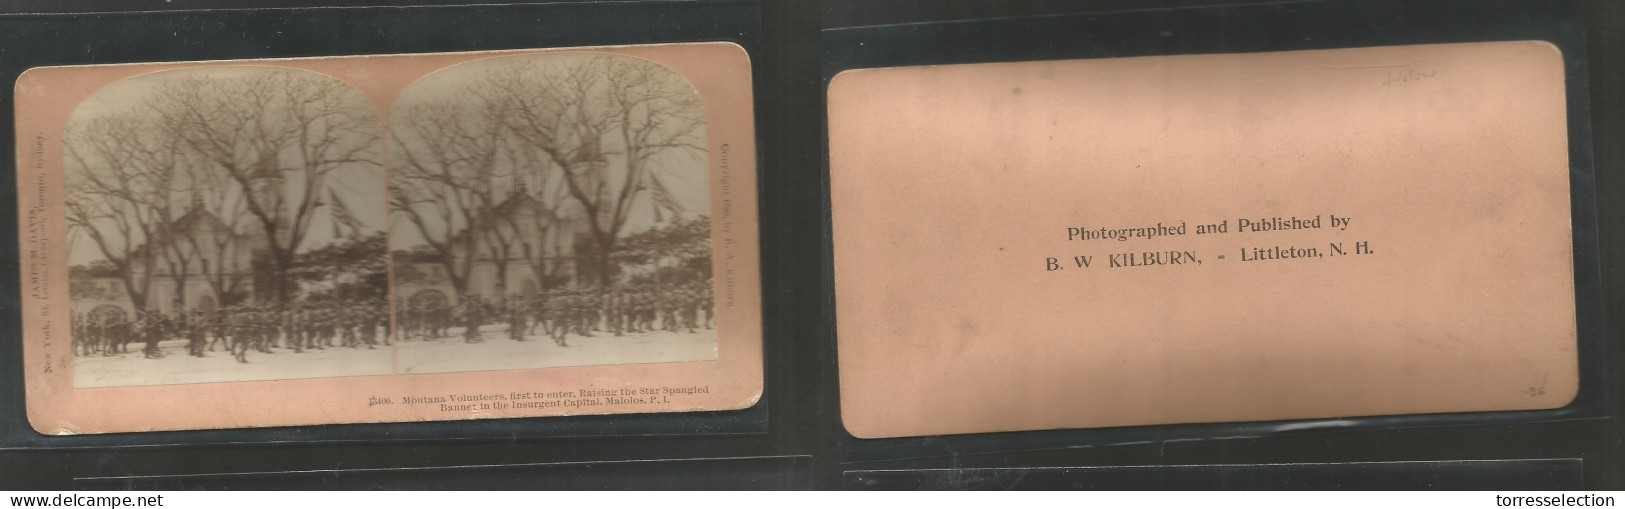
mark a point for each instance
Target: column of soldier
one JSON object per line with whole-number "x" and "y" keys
{"x": 238, "y": 329}
{"x": 560, "y": 314}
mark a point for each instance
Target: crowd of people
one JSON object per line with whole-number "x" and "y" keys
{"x": 239, "y": 329}
{"x": 560, "y": 314}
{"x": 302, "y": 326}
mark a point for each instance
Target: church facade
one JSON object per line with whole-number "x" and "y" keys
{"x": 198, "y": 261}
{"x": 519, "y": 247}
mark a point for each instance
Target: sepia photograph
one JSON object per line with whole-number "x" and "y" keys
{"x": 389, "y": 238}
{"x": 550, "y": 210}
{"x": 225, "y": 224}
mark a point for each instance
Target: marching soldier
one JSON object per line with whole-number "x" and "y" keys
{"x": 708, "y": 309}
{"x": 538, "y": 310}
{"x": 642, "y": 310}
{"x": 115, "y": 334}
{"x": 474, "y": 317}
{"x": 369, "y": 328}
{"x": 150, "y": 327}
{"x": 241, "y": 329}
{"x": 194, "y": 325}
{"x": 593, "y": 309}
{"x": 586, "y": 308}
{"x": 380, "y": 311}
{"x": 612, "y": 312}
{"x": 290, "y": 330}
{"x": 690, "y": 309}
{"x": 347, "y": 321}
{"x": 558, "y": 312}
{"x": 264, "y": 329}
{"x": 516, "y": 318}
{"x": 667, "y": 312}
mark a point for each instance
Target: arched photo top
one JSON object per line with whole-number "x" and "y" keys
{"x": 611, "y": 143}
{"x": 295, "y": 150}
{"x": 562, "y": 177}
{"x": 213, "y": 193}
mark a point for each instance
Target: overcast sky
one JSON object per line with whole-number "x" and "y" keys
{"x": 359, "y": 186}
{"x": 685, "y": 173}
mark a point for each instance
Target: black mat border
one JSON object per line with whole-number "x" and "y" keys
{"x": 1542, "y": 474}
{"x": 785, "y": 472}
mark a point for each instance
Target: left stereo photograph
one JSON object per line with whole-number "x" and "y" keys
{"x": 388, "y": 238}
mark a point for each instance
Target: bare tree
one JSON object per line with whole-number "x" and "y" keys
{"x": 278, "y": 134}
{"x": 118, "y": 194}
{"x": 215, "y": 235}
{"x": 544, "y": 190}
{"x": 471, "y": 192}
{"x": 167, "y": 158}
{"x": 494, "y": 223}
{"x": 600, "y": 120}
{"x": 444, "y": 178}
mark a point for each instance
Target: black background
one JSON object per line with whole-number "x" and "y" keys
{"x": 801, "y": 448}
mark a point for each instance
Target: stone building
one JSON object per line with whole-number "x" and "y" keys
{"x": 519, "y": 247}
{"x": 197, "y": 259}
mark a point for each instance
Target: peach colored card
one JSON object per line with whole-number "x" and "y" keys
{"x": 1202, "y": 239}
{"x": 389, "y": 238}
